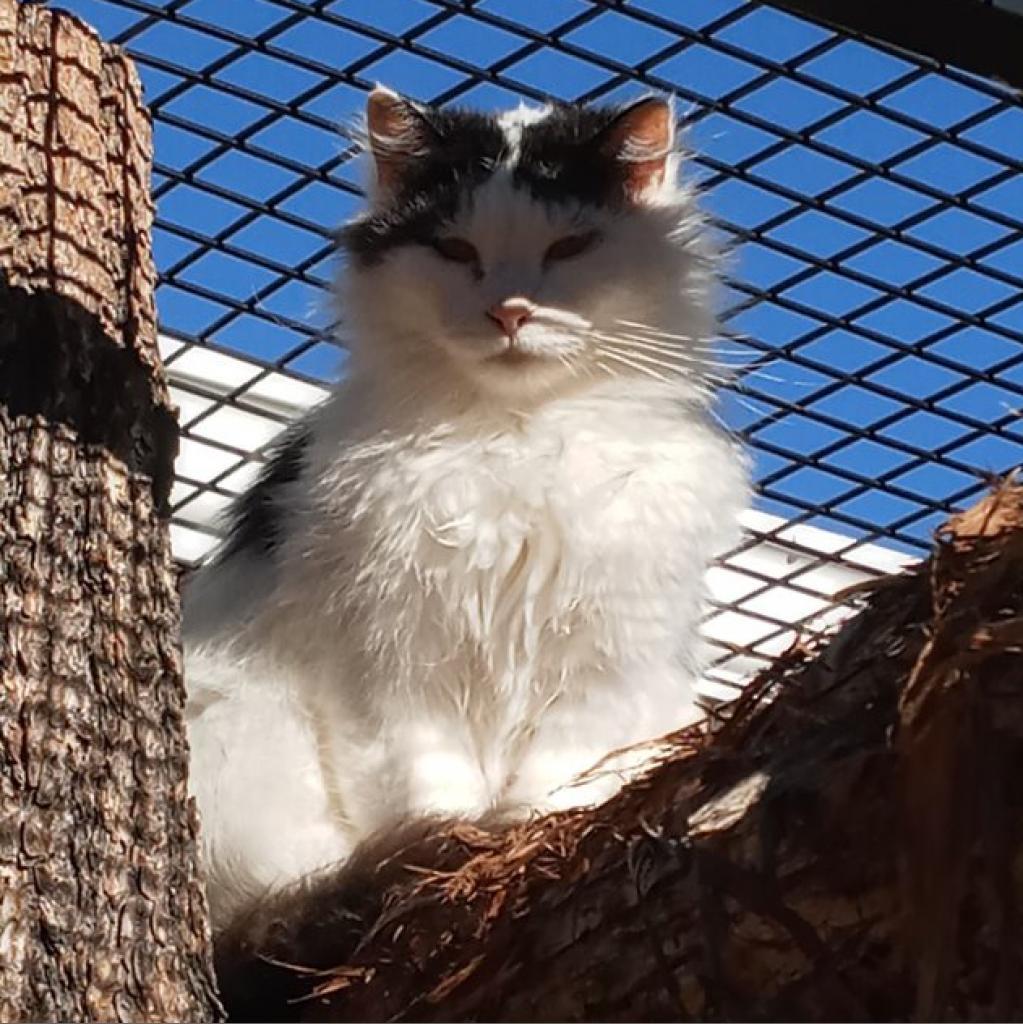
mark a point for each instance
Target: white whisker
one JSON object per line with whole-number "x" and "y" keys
{"x": 704, "y": 340}
{"x": 638, "y": 367}
{"x": 721, "y": 373}
{"x": 673, "y": 352}
{"x": 658, "y": 332}
{"x": 653, "y": 346}
{"x": 694, "y": 344}
{"x": 677, "y": 366}
{"x": 653, "y": 351}
{"x": 747, "y": 403}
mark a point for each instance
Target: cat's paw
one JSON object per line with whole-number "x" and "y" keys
{"x": 446, "y": 784}
{"x": 532, "y": 797}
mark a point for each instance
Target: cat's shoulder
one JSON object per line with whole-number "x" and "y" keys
{"x": 255, "y": 522}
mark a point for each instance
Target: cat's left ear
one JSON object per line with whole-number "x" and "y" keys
{"x": 399, "y": 135}
{"x": 640, "y": 140}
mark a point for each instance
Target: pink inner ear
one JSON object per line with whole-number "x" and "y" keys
{"x": 640, "y": 139}
{"x": 394, "y": 136}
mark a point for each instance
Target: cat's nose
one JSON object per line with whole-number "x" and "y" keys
{"x": 511, "y": 314}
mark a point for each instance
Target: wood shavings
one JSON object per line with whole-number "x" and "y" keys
{"x": 844, "y": 844}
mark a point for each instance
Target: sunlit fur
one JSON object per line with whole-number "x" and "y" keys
{"x": 491, "y": 571}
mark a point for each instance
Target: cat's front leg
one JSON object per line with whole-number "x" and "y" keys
{"x": 431, "y": 769}
{"x": 552, "y": 780}
{"x": 597, "y": 738}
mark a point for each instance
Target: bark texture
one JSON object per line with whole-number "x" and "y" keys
{"x": 846, "y": 847}
{"x": 102, "y": 915}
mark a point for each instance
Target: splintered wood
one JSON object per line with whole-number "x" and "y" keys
{"x": 845, "y": 847}
{"x": 102, "y": 914}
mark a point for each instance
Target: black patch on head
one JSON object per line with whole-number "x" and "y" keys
{"x": 562, "y": 160}
{"x": 255, "y": 521}
{"x": 464, "y": 146}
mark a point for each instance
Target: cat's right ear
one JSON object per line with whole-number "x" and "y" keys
{"x": 399, "y": 135}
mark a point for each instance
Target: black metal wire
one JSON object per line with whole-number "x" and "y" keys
{"x": 794, "y": 355}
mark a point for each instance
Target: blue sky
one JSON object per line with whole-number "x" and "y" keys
{"x": 876, "y": 209}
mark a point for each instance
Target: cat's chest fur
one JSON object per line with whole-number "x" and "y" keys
{"x": 560, "y": 548}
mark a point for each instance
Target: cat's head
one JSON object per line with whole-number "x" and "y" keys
{"x": 527, "y": 250}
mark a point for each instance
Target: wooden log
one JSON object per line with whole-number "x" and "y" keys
{"x": 102, "y": 914}
{"x": 846, "y": 847}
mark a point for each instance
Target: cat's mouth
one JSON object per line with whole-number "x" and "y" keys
{"x": 514, "y": 356}
{"x": 539, "y": 346}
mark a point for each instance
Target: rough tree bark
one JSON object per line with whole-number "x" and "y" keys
{"x": 847, "y": 847}
{"x": 102, "y": 915}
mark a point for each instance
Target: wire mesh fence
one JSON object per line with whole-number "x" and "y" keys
{"x": 872, "y": 202}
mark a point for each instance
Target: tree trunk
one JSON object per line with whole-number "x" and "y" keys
{"x": 846, "y": 847}
{"x": 102, "y": 914}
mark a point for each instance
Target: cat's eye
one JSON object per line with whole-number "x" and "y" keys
{"x": 458, "y": 250}
{"x": 570, "y": 246}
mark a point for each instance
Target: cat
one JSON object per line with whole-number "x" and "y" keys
{"x": 478, "y": 567}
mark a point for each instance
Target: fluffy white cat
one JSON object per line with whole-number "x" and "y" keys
{"x": 478, "y": 567}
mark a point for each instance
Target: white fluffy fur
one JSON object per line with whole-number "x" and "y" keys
{"x": 492, "y": 574}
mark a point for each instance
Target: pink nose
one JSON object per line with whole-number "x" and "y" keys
{"x": 511, "y": 314}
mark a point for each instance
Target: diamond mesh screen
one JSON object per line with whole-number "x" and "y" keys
{"x": 874, "y": 203}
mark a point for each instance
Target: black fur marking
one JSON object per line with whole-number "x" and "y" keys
{"x": 464, "y": 148}
{"x": 255, "y": 519}
{"x": 263, "y": 959}
{"x": 561, "y": 159}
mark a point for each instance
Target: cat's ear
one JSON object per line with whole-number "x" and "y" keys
{"x": 399, "y": 135}
{"x": 640, "y": 140}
